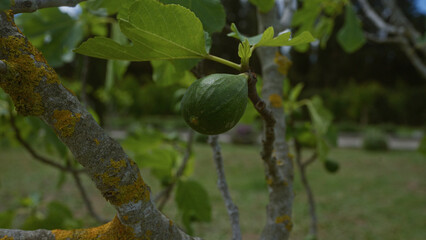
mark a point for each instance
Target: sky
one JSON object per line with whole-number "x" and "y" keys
{"x": 421, "y": 6}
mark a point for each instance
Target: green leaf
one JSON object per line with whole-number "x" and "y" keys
{"x": 422, "y": 146}
{"x": 166, "y": 73}
{"x": 350, "y": 36}
{"x": 157, "y": 158}
{"x": 157, "y": 31}
{"x": 210, "y": 12}
{"x": 193, "y": 201}
{"x": 263, "y": 5}
{"x": 53, "y": 32}
{"x": 283, "y": 39}
{"x": 236, "y": 34}
{"x": 244, "y": 52}
{"x": 116, "y": 68}
{"x": 295, "y": 92}
{"x": 4, "y": 5}
{"x": 322, "y": 148}
{"x": 321, "y": 117}
{"x": 267, "y": 38}
{"x": 6, "y": 219}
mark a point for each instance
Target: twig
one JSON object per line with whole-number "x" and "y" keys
{"x": 223, "y": 187}
{"x": 68, "y": 168}
{"x": 269, "y": 121}
{"x": 310, "y": 160}
{"x": 33, "y": 153}
{"x": 83, "y": 193}
{"x": 165, "y": 194}
{"x": 309, "y": 193}
{"x": 377, "y": 20}
{"x": 27, "y": 6}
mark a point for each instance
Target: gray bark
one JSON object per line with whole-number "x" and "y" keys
{"x": 26, "y": 6}
{"x": 279, "y": 209}
{"x": 114, "y": 173}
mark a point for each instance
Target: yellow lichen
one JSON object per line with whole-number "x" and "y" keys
{"x": 275, "y": 100}
{"x": 119, "y": 194}
{"x": 284, "y": 64}
{"x": 147, "y": 235}
{"x": 117, "y": 165}
{"x": 170, "y": 223}
{"x": 269, "y": 181}
{"x": 96, "y": 141}
{"x": 6, "y": 238}
{"x": 113, "y": 230}
{"x": 280, "y": 162}
{"x": 23, "y": 74}
{"x": 65, "y": 122}
{"x": 286, "y": 220}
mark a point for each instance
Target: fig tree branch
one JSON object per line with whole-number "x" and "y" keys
{"x": 83, "y": 193}
{"x": 399, "y": 31}
{"x": 36, "y": 90}
{"x": 27, "y": 6}
{"x": 311, "y": 202}
{"x": 223, "y": 187}
{"x": 269, "y": 121}
{"x": 279, "y": 221}
{"x": 33, "y": 153}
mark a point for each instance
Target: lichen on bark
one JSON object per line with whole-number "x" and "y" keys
{"x": 26, "y": 68}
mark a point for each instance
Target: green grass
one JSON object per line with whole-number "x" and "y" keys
{"x": 373, "y": 196}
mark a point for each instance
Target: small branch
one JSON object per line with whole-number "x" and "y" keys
{"x": 21, "y": 234}
{"x": 269, "y": 121}
{"x": 223, "y": 187}
{"x": 165, "y": 194}
{"x": 377, "y": 20}
{"x": 302, "y": 169}
{"x": 377, "y": 39}
{"x": 33, "y": 153}
{"x": 83, "y": 194}
{"x": 27, "y": 6}
{"x": 310, "y": 160}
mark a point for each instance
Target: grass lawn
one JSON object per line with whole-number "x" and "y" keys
{"x": 373, "y": 196}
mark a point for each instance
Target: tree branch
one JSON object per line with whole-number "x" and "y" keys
{"x": 406, "y": 35}
{"x": 85, "y": 197}
{"x": 165, "y": 194}
{"x": 302, "y": 169}
{"x": 377, "y": 20}
{"x": 27, "y": 6}
{"x": 33, "y": 153}
{"x": 36, "y": 90}
{"x": 11, "y": 234}
{"x": 269, "y": 121}
{"x": 223, "y": 187}
{"x": 280, "y": 185}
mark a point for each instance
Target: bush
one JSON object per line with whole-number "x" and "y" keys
{"x": 374, "y": 140}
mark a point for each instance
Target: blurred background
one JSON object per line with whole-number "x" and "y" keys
{"x": 364, "y": 81}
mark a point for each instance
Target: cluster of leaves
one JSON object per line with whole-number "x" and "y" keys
{"x": 317, "y": 133}
{"x": 163, "y": 155}
{"x": 318, "y": 17}
{"x": 32, "y": 213}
